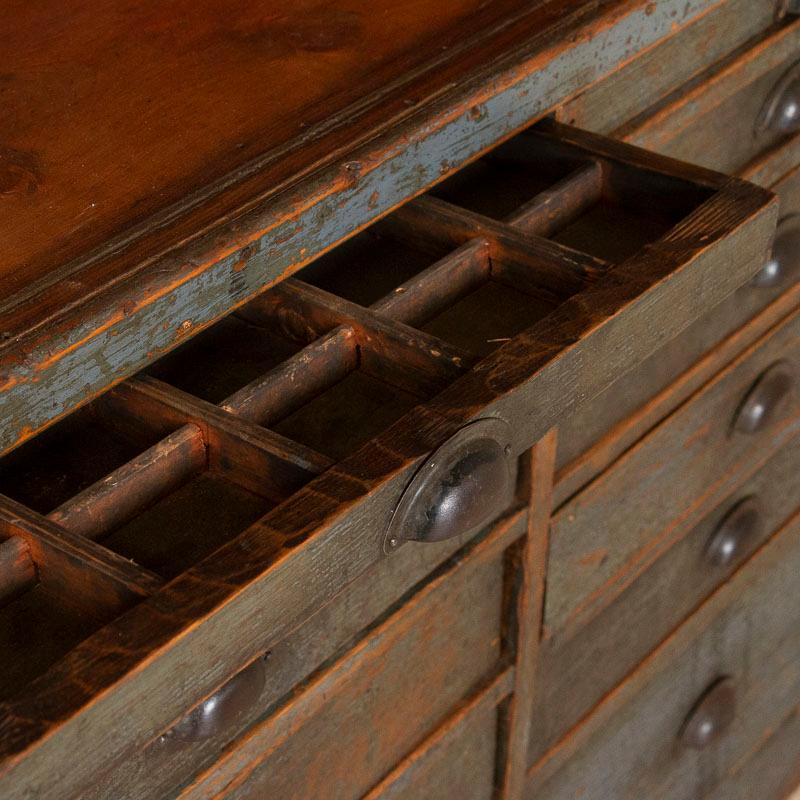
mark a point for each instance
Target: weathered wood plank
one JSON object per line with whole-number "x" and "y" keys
{"x": 644, "y": 81}
{"x": 528, "y": 617}
{"x": 748, "y": 630}
{"x": 112, "y": 335}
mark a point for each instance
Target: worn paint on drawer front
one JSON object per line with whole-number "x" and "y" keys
{"x": 715, "y": 122}
{"x": 599, "y": 544}
{"x": 749, "y": 631}
{"x": 574, "y": 675}
{"x": 344, "y": 731}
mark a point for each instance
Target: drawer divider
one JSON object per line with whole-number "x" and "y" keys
{"x": 558, "y": 206}
{"x": 119, "y": 496}
{"x": 78, "y": 571}
{"x": 388, "y": 349}
{"x": 553, "y": 271}
{"x": 259, "y": 459}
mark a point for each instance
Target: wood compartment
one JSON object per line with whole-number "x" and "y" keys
{"x": 569, "y": 681}
{"x": 314, "y": 540}
{"x": 222, "y": 359}
{"x": 69, "y": 457}
{"x": 56, "y": 589}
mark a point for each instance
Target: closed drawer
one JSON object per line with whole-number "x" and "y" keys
{"x": 357, "y": 411}
{"x": 702, "y": 702}
{"x": 740, "y": 112}
{"x": 170, "y": 761}
{"x": 597, "y": 432}
{"x": 639, "y": 84}
{"x": 599, "y": 543}
{"x": 343, "y": 730}
{"x": 576, "y": 673}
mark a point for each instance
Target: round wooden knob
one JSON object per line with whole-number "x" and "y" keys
{"x": 781, "y": 111}
{"x": 737, "y": 527}
{"x": 465, "y": 484}
{"x": 766, "y": 398}
{"x": 222, "y": 710}
{"x": 783, "y": 264}
{"x": 711, "y": 716}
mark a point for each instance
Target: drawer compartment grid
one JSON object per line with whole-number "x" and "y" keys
{"x": 249, "y": 437}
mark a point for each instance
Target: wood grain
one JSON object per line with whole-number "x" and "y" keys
{"x": 262, "y": 203}
{"x": 599, "y": 545}
{"x": 747, "y": 630}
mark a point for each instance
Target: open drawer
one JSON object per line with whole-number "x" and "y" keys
{"x": 379, "y": 398}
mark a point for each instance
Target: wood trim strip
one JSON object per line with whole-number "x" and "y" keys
{"x": 529, "y": 610}
{"x": 126, "y": 491}
{"x": 482, "y": 702}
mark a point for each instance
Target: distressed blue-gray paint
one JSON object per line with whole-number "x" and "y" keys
{"x": 407, "y": 167}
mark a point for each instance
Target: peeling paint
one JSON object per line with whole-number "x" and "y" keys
{"x": 89, "y": 357}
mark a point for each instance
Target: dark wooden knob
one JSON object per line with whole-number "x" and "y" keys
{"x": 711, "y": 716}
{"x": 465, "y": 484}
{"x": 766, "y": 399}
{"x": 781, "y": 111}
{"x": 222, "y": 710}
{"x": 783, "y": 264}
{"x": 737, "y": 527}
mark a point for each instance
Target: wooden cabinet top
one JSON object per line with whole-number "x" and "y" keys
{"x": 161, "y": 162}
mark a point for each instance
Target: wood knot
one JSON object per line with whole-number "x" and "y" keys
{"x": 19, "y": 172}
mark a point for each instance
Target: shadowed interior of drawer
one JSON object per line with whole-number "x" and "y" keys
{"x": 171, "y": 464}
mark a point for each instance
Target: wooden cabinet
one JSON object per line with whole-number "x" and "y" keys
{"x": 435, "y": 438}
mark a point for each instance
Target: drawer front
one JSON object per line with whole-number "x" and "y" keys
{"x": 720, "y": 123}
{"x": 162, "y": 767}
{"x": 638, "y": 84}
{"x": 702, "y": 702}
{"x": 332, "y": 423}
{"x": 575, "y": 674}
{"x": 581, "y": 454}
{"x": 337, "y": 736}
{"x": 600, "y": 542}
